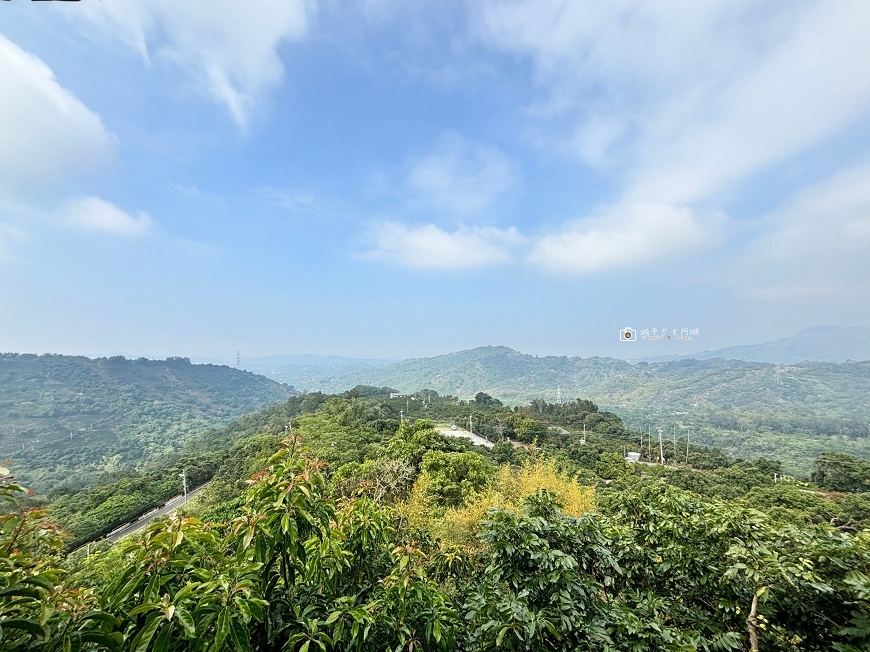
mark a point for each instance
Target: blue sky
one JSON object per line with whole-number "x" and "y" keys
{"x": 386, "y": 179}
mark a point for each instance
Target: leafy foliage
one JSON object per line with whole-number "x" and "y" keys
{"x": 452, "y": 478}
{"x": 37, "y": 611}
{"x": 662, "y": 570}
{"x": 399, "y": 538}
{"x": 290, "y": 572}
{"x": 840, "y": 472}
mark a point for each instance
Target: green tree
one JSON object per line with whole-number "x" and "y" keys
{"x": 38, "y": 611}
{"x": 841, "y": 472}
{"x": 414, "y": 440}
{"x": 290, "y": 573}
{"x": 451, "y": 478}
{"x": 483, "y": 399}
{"x": 503, "y": 452}
{"x": 612, "y": 466}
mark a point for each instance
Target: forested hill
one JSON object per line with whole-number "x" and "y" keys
{"x": 792, "y": 412}
{"x": 497, "y": 370}
{"x": 69, "y": 419}
{"x": 820, "y": 389}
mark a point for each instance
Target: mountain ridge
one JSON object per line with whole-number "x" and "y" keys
{"x": 814, "y": 344}
{"x": 793, "y": 412}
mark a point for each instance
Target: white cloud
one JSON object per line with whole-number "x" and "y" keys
{"x": 685, "y": 100}
{"x": 814, "y": 247}
{"x": 625, "y": 236}
{"x": 812, "y": 85}
{"x": 231, "y": 47}
{"x": 95, "y": 214}
{"x": 46, "y": 133}
{"x": 610, "y": 68}
{"x": 430, "y": 247}
{"x": 461, "y": 177}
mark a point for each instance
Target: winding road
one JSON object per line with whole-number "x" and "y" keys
{"x": 168, "y": 508}
{"x": 461, "y": 432}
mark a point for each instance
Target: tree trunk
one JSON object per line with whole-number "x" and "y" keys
{"x": 752, "y": 623}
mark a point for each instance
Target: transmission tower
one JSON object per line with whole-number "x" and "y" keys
{"x": 238, "y": 359}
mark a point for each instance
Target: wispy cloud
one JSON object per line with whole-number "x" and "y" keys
{"x": 230, "y": 49}
{"x": 461, "y": 177}
{"x": 11, "y": 238}
{"x": 294, "y": 201}
{"x": 813, "y": 84}
{"x": 95, "y": 214}
{"x": 685, "y": 102}
{"x": 49, "y": 137}
{"x": 814, "y": 247}
{"x": 430, "y": 247}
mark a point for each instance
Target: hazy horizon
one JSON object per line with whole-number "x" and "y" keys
{"x": 623, "y": 351}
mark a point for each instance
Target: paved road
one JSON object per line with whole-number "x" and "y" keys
{"x": 169, "y": 507}
{"x": 476, "y": 439}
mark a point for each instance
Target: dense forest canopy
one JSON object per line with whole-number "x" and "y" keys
{"x": 66, "y": 420}
{"x": 351, "y": 429}
{"x": 351, "y": 521}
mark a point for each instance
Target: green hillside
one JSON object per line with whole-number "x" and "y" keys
{"x": 791, "y": 412}
{"x": 65, "y": 420}
{"x": 338, "y": 523}
{"x": 497, "y": 370}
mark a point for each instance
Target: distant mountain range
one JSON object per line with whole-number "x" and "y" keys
{"x": 333, "y": 373}
{"x": 790, "y": 411}
{"x": 804, "y": 388}
{"x": 822, "y": 343}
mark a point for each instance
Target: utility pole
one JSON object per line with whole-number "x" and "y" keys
{"x": 470, "y": 426}
{"x": 688, "y": 434}
{"x": 401, "y": 414}
{"x": 675, "y": 443}
{"x": 183, "y": 476}
{"x": 661, "y": 449}
{"x": 648, "y": 441}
